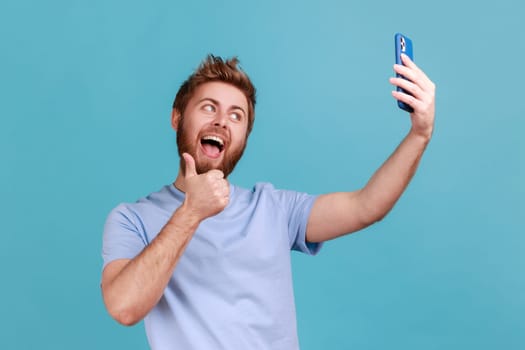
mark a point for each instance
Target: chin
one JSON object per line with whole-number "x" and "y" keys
{"x": 203, "y": 166}
{"x": 226, "y": 162}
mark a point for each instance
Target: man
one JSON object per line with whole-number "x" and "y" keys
{"x": 206, "y": 263}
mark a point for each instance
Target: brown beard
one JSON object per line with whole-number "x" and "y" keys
{"x": 184, "y": 145}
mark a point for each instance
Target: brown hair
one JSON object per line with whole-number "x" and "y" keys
{"x": 214, "y": 68}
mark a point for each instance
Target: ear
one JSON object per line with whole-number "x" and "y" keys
{"x": 175, "y": 118}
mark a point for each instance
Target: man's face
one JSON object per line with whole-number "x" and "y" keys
{"x": 213, "y": 128}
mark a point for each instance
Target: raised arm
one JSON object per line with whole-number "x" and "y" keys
{"x": 131, "y": 288}
{"x": 336, "y": 214}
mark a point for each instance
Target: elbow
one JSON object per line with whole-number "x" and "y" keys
{"x": 124, "y": 314}
{"x": 374, "y": 208}
{"x": 372, "y": 216}
{"x": 125, "y": 317}
{"x": 369, "y": 221}
{"x": 379, "y": 217}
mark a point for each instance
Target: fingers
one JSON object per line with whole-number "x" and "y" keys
{"x": 413, "y": 73}
{"x": 408, "y": 99}
{"x": 213, "y": 180}
{"x": 216, "y": 174}
{"x": 208, "y": 193}
{"x": 417, "y": 91}
{"x": 223, "y": 189}
{"x": 220, "y": 186}
{"x": 407, "y": 61}
{"x": 412, "y": 95}
{"x": 408, "y": 86}
{"x": 414, "y": 82}
{"x": 190, "y": 165}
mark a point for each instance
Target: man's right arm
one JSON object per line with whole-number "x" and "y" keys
{"x": 132, "y": 287}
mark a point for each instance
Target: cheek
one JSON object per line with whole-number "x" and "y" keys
{"x": 191, "y": 129}
{"x": 241, "y": 138}
{"x": 186, "y": 135}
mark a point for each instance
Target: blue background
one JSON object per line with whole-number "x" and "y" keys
{"x": 86, "y": 89}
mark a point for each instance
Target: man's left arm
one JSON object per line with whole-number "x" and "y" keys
{"x": 339, "y": 213}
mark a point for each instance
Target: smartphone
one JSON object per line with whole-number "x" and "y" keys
{"x": 403, "y": 45}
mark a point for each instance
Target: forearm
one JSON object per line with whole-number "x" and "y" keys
{"x": 336, "y": 214}
{"x": 139, "y": 285}
{"x": 388, "y": 183}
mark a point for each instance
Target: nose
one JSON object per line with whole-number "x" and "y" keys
{"x": 221, "y": 119}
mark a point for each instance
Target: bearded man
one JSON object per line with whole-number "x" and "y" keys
{"x": 206, "y": 263}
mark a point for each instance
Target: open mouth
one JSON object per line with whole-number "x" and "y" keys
{"x": 212, "y": 145}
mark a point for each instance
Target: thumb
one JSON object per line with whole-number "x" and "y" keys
{"x": 190, "y": 165}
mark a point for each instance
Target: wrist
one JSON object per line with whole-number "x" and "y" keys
{"x": 185, "y": 216}
{"x": 421, "y": 136}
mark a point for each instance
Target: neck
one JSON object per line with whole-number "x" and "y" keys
{"x": 179, "y": 182}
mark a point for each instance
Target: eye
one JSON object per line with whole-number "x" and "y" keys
{"x": 208, "y": 108}
{"x": 236, "y": 116}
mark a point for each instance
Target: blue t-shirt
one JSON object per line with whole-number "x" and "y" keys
{"x": 232, "y": 287}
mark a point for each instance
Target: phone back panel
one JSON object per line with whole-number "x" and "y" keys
{"x": 403, "y": 45}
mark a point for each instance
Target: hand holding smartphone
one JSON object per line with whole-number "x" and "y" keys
{"x": 403, "y": 45}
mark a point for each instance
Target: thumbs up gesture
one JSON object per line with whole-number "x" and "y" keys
{"x": 206, "y": 194}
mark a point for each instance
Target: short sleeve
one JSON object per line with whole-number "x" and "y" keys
{"x": 298, "y": 206}
{"x": 122, "y": 237}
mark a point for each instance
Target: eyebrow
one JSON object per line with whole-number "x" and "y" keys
{"x": 218, "y": 103}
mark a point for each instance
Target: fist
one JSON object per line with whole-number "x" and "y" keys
{"x": 422, "y": 95}
{"x": 206, "y": 194}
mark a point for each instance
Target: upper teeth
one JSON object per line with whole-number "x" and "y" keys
{"x": 214, "y": 138}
